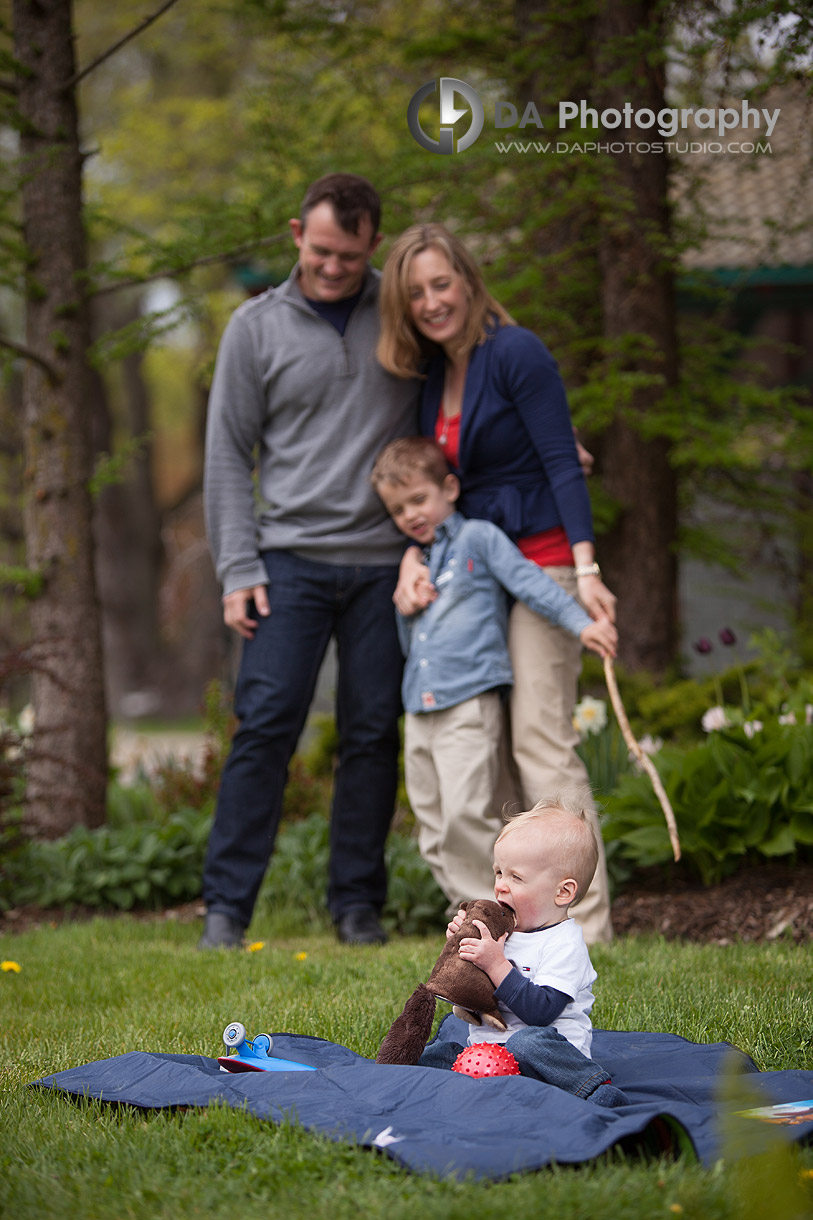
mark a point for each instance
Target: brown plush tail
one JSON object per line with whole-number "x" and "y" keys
{"x": 409, "y": 1033}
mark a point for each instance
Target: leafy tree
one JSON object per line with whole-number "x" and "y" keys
{"x": 198, "y": 137}
{"x": 67, "y": 775}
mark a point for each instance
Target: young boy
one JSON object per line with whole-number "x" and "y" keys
{"x": 457, "y": 665}
{"x": 544, "y": 861}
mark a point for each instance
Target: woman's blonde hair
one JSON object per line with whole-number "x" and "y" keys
{"x": 401, "y": 349}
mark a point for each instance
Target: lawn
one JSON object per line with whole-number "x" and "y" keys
{"x": 93, "y": 990}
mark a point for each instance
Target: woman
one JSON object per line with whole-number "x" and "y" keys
{"x": 494, "y": 400}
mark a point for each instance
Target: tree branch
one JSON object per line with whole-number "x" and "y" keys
{"x": 28, "y": 353}
{"x": 205, "y": 260}
{"x": 116, "y": 46}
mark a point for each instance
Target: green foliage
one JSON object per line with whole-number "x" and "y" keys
{"x": 771, "y": 684}
{"x": 767, "y": 1179}
{"x": 23, "y": 581}
{"x": 112, "y": 867}
{"x": 147, "y": 857}
{"x": 674, "y": 712}
{"x": 111, "y": 468}
{"x": 735, "y": 797}
{"x": 606, "y": 757}
{"x": 296, "y": 882}
{"x": 415, "y": 903}
{"x": 319, "y": 756}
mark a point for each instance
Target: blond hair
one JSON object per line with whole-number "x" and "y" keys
{"x": 575, "y": 848}
{"x": 401, "y": 349}
{"x": 407, "y": 456}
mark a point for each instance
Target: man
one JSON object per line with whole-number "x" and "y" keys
{"x": 309, "y": 554}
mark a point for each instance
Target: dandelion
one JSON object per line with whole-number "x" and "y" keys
{"x": 590, "y": 716}
{"x": 715, "y": 718}
{"x": 300, "y": 957}
{"x": 11, "y": 967}
{"x": 255, "y": 946}
{"x": 751, "y": 727}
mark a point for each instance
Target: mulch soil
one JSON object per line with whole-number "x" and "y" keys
{"x": 756, "y": 904}
{"x": 765, "y": 903}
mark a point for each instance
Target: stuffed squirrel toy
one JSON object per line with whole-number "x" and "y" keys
{"x": 460, "y": 983}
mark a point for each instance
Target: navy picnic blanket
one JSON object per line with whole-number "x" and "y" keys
{"x": 445, "y": 1123}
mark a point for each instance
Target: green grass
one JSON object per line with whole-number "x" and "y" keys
{"x": 94, "y": 990}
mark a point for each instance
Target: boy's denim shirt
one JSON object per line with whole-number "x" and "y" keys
{"x": 457, "y": 647}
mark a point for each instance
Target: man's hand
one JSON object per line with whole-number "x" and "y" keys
{"x": 487, "y": 953}
{"x": 235, "y": 609}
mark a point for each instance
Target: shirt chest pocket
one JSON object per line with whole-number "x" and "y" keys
{"x": 455, "y": 581}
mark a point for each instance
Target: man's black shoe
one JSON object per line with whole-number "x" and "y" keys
{"x": 360, "y": 926}
{"x": 221, "y": 932}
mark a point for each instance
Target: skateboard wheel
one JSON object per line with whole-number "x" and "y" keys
{"x": 234, "y": 1034}
{"x": 263, "y": 1044}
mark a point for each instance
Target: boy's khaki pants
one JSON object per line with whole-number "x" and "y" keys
{"x": 452, "y": 768}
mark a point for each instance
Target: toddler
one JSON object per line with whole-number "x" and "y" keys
{"x": 544, "y": 861}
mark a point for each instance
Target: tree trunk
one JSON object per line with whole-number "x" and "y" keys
{"x": 67, "y": 775}
{"x": 605, "y": 278}
{"x": 639, "y": 554}
{"x": 129, "y": 553}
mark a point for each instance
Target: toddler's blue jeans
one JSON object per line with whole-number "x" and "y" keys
{"x": 541, "y": 1052}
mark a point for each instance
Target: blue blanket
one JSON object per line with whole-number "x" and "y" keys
{"x": 444, "y": 1123}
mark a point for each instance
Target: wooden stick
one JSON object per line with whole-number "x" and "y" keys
{"x": 644, "y": 759}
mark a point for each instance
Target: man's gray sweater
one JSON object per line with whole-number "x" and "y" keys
{"x": 311, "y": 408}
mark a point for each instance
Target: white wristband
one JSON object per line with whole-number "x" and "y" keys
{"x": 587, "y": 569}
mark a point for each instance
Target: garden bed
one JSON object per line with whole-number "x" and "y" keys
{"x": 757, "y": 904}
{"x": 761, "y": 903}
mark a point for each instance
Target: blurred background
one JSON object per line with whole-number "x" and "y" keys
{"x": 672, "y": 280}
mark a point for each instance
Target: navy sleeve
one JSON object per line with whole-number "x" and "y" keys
{"x": 532, "y": 1003}
{"x": 536, "y": 388}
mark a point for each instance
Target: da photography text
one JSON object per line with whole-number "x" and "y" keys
{"x": 453, "y": 99}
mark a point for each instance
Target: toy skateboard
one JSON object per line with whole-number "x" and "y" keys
{"x": 254, "y": 1054}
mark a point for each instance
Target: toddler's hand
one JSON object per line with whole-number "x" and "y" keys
{"x": 487, "y": 953}
{"x": 601, "y": 636}
{"x": 454, "y": 925}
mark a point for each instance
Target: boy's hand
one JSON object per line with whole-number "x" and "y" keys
{"x": 601, "y": 636}
{"x": 487, "y": 953}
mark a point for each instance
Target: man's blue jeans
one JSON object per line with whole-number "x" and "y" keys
{"x": 310, "y": 602}
{"x": 541, "y": 1052}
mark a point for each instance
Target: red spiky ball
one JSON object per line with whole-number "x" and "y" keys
{"x": 486, "y": 1059}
